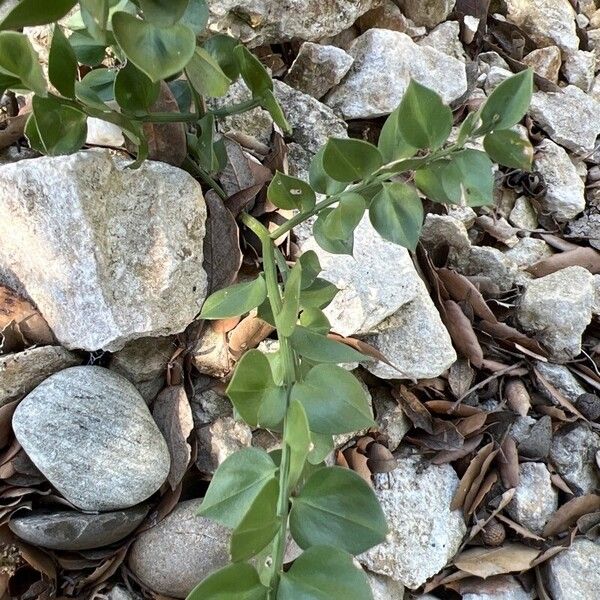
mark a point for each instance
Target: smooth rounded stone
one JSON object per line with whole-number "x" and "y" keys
{"x": 384, "y": 63}
{"x": 557, "y": 308}
{"x": 69, "y": 530}
{"x": 385, "y": 588}
{"x": 175, "y": 555}
{"x": 21, "y": 372}
{"x": 144, "y": 276}
{"x": 535, "y": 499}
{"x": 546, "y": 62}
{"x": 573, "y": 453}
{"x": 428, "y": 13}
{"x": 424, "y": 534}
{"x": 565, "y": 191}
{"x": 575, "y": 573}
{"x": 579, "y": 68}
{"x": 561, "y": 378}
{"x": 90, "y": 433}
{"x": 103, "y": 133}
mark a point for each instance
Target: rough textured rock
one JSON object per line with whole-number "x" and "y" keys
{"x": 103, "y": 133}
{"x": 385, "y": 588}
{"x": 445, "y": 38}
{"x": 561, "y": 378}
{"x": 573, "y": 454}
{"x": 557, "y": 308}
{"x": 523, "y": 214}
{"x": 318, "y": 68}
{"x": 535, "y": 500}
{"x": 554, "y": 112}
{"x": 173, "y": 556}
{"x": 121, "y": 593}
{"x": 440, "y": 230}
{"x": 69, "y": 530}
{"x": 21, "y": 372}
{"x": 502, "y": 587}
{"x": 548, "y": 22}
{"x": 424, "y": 533}
{"x": 535, "y": 437}
{"x": 565, "y": 196}
{"x": 587, "y": 227}
{"x": 90, "y": 433}
{"x": 385, "y": 16}
{"x": 384, "y": 63}
{"x": 575, "y": 573}
{"x": 579, "y": 68}
{"x": 107, "y": 245}
{"x": 528, "y": 251}
{"x": 545, "y": 62}
{"x": 390, "y": 418}
{"x": 208, "y": 405}
{"x": 427, "y": 12}
{"x": 489, "y": 262}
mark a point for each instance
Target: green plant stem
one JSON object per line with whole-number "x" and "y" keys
{"x": 191, "y": 166}
{"x": 235, "y": 109}
{"x": 164, "y": 117}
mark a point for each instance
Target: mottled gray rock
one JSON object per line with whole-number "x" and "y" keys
{"x": 561, "y": 378}
{"x": 112, "y": 253}
{"x": 564, "y": 198}
{"x": 575, "y": 573}
{"x": 440, "y": 230}
{"x": 573, "y": 453}
{"x": 318, "y": 68}
{"x": 523, "y": 214}
{"x": 587, "y": 227}
{"x": 445, "y": 38}
{"x": 15, "y": 154}
{"x": 385, "y": 16}
{"x": 21, "y": 372}
{"x": 385, "y": 588}
{"x": 175, "y": 555}
{"x": 208, "y": 405}
{"x": 427, "y": 12}
{"x": 528, "y": 251}
{"x": 121, "y": 593}
{"x": 219, "y": 440}
{"x": 554, "y": 112}
{"x": 534, "y": 440}
{"x": 384, "y": 63}
{"x": 545, "y": 62}
{"x": 424, "y": 534}
{"x": 485, "y": 261}
{"x": 535, "y": 499}
{"x": 579, "y": 68}
{"x": 548, "y": 22}
{"x": 557, "y": 308}
{"x": 391, "y": 420}
{"x": 90, "y": 433}
{"x": 69, "y": 530}
{"x": 495, "y": 76}
{"x": 502, "y": 587}
{"x": 103, "y": 133}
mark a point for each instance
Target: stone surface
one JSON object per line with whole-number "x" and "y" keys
{"x": 424, "y": 533}
{"x": 489, "y": 262}
{"x": 441, "y": 230}
{"x": 427, "y": 12}
{"x": 385, "y": 588}
{"x": 121, "y": 593}
{"x": 103, "y": 133}
{"x": 523, "y": 214}
{"x": 385, "y": 16}
{"x": 175, "y": 555}
{"x": 69, "y": 530}
{"x": 561, "y": 378}
{"x": 208, "y": 405}
{"x": 548, "y": 22}
{"x": 565, "y": 197}
{"x": 587, "y": 227}
{"x": 384, "y": 63}
{"x": 579, "y": 68}
{"x": 105, "y": 245}
{"x": 535, "y": 438}
{"x": 545, "y": 62}
{"x": 318, "y": 68}
{"x": 535, "y": 500}
{"x": 554, "y": 112}
{"x": 575, "y": 573}
{"x": 573, "y": 454}
{"x": 391, "y": 420}
{"x": 21, "y": 372}
{"x": 90, "y": 433}
{"x": 557, "y": 308}
{"x": 502, "y": 587}
{"x": 445, "y": 38}
{"x": 528, "y": 251}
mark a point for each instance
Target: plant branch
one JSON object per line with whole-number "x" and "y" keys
{"x": 235, "y": 109}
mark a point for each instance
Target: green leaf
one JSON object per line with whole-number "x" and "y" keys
{"x": 163, "y": 12}
{"x": 509, "y": 148}
{"x": 19, "y": 60}
{"x": 297, "y": 437}
{"x": 424, "y": 120}
{"x": 252, "y": 71}
{"x": 101, "y": 82}
{"x": 205, "y": 74}
{"x": 202, "y": 146}
{"x": 322, "y": 446}
{"x": 196, "y": 16}
{"x": 239, "y": 581}
{"x": 159, "y": 52}
{"x": 221, "y": 47}
{"x": 319, "y": 348}
{"x": 391, "y": 143}
{"x": 62, "y": 129}
{"x": 318, "y": 294}
{"x": 347, "y": 160}
{"x": 7, "y": 82}
{"x": 337, "y": 507}
{"x": 315, "y": 320}
{"x": 259, "y": 525}
{"x": 235, "y": 485}
{"x": 87, "y": 50}
{"x": 319, "y": 180}
{"x": 252, "y": 387}
{"x": 341, "y": 222}
{"x": 311, "y": 267}
{"x": 397, "y": 214}
{"x": 235, "y": 300}
{"x": 134, "y": 91}
{"x": 28, "y": 13}
{"x": 271, "y": 105}
{"x": 33, "y": 135}
{"x": 324, "y": 573}
{"x": 330, "y": 244}
{"x": 287, "y": 318}
{"x": 62, "y": 64}
{"x": 289, "y": 192}
{"x": 508, "y": 103}
{"x": 334, "y": 400}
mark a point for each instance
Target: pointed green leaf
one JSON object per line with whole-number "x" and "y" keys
{"x": 322, "y": 447}
{"x": 391, "y": 143}
{"x": 330, "y": 244}
{"x": 289, "y": 192}
{"x": 341, "y": 222}
{"x": 234, "y": 300}
{"x": 239, "y": 581}
{"x": 315, "y": 320}
{"x": 205, "y": 75}
{"x": 319, "y": 348}
{"x": 311, "y": 267}
{"x": 163, "y": 12}
{"x": 319, "y": 180}
{"x": 318, "y": 294}
{"x": 88, "y": 51}
{"x": 221, "y": 48}
{"x": 19, "y": 60}
{"x": 101, "y": 82}
{"x": 28, "y": 13}
{"x": 196, "y": 16}
{"x": 62, "y": 64}
{"x": 297, "y": 437}
{"x": 133, "y": 89}
{"x": 509, "y": 148}
{"x": 347, "y": 159}
{"x": 252, "y": 71}
{"x": 287, "y": 318}
{"x": 235, "y": 485}
{"x": 272, "y": 106}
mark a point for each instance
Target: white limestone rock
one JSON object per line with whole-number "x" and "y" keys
{"x": 579, "y": 68}
{"x": 575, "y": 573}
{"x": 428, "y": 13}
{"x": 445, "y": 38}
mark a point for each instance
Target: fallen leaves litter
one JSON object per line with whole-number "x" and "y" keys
{"x": 486, "y": 562}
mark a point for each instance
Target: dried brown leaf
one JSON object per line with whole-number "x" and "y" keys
{"x": 517, "y": 396}
{"x": 460, "y": 377}
{"x": 568, "y": 514}
{"x": 522, "y": 531}
{"x": 462, "y": 290}
{"x": 470, "y": 475}
{"x": 509, "y": 463}
{"x": 414, "y": 408}
{"x": 6, "y": 413}
{"x": 501, "y": 332}
{"x": 469, "y": 425}
{"x": 461, "y": 331}
{"x": 445, "y": 437}
{"x": 358, "y": 463}
{"x": 479, "y": 479}
{"x": 557, "y": 394}
{"x": 483, "y": 490}
{"x": 445, "y": 407}
{"x": 250, "y": 332}
{"x": 448, "y": 456}
{"x": 587, "y": 257}
{"x": 485, "y": 562}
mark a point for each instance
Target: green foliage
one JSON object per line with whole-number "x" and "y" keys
{"x": 289, "y": 192}
{"x": 508, "y": 148}
{"x": 235, "y": 300}
{"x": 238, "y": 581}
{"x": 349, "y": 160}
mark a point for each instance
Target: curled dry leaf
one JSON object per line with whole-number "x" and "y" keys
{"x": 519, "y": 529}
{"x": 587, "y": 257}
{"x": 486, "y": 562}
{"x": 413, "y": 408}
{"x": 486, "y": 486}
{"x": 448, "y": 456}
{"x": 568, "y": 514}
{"x": 478, "y": 482}
{"x": 509, "y": 463}
{"x": 462, "y": 290}
{"x": 460, "y": 377}
{"x": 556, "y": 394}
{"x": 471, "y": 474}
{"x": 505, "y": 500}
{"x": 501, "y": 332}
{"x": 363, "y": 348}
{"x": 6, "y": 413}
{"x": 358, "y": 463}
{"x": 445, "y": 407}
{"x": 517, "y": 396}
{"x": 461, "y": 331}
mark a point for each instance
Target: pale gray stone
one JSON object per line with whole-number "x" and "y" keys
{"x": 103, "y": 133}
{"x": 528, "y": 251}
{"x": 579, "y": 68}
{"x": 14, "y": 154}
{"x": 561, "y": 378}
{"x": 384, "y": 63}
{"x": 554, "y": 112}
{"x": 391, "y": 420}
{"x": 587, "y": 227}
{"x": 445, "y": 38}
{"x": 208, "y": 405}
{"x": 428, "y": 13}
{"x": 112, "y": 253}
{"x": 523, "y": 214}
{"x": 502, "y": 587}
{"x": 386, "y": 15}
{"x": 121, "y": 593}
{"x": 219, "y": 440}
{"x": 424, "y": 533}
{"x": 385, "y": 588}
{"x": 70, "y": 530}
{"x": 535, "y": 499}
{"x": 21, "y": 372}
{"x": 175, "y": 555}
{"x": 440, "y": 230}
{"x": 557, "y": 308}
{"x": 575, "y": 573}
{"x": 317, "y": 68}
{"x": 545, "y": 62}
{"x": 90, "y": 433}
{"x": 486, "y": 261}
{"x": 565, "y": 195}
{"x": 495, "y": 76}
{"x": 573, "y": 453}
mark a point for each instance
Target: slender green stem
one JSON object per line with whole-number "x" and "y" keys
{"x": 235, "y": 109}
{"x": 164, "y": 117}
{"x": 191, "y": 166}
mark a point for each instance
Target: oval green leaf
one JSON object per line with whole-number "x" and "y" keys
{"x": 347, "y": 159}
{"x": 221, "y": 48}
{"x": 319, "y": 180}
{"x": 239, "y": 581}
{"x": 290, "y": 193}
{"x": 163, "y": 12}
{"x": 235, "y": 300}
{"x": 287, "y": 318}
{"x": 319, "y": 348}
{"x": 318, "y": 294}
{"x": 297, "y": 437}
{"x": 509, "y": 148}
{"x": 134, "y": 91}
{"x": 205, "y": 75}
{"x": 391, "y": 143}
{"x": 341, "y": 222}
{"x": 19, "y": 60}
{"x": 330, "y": 244}
{"x": 28, "y": 13}
{"x": 62, "y": 64}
